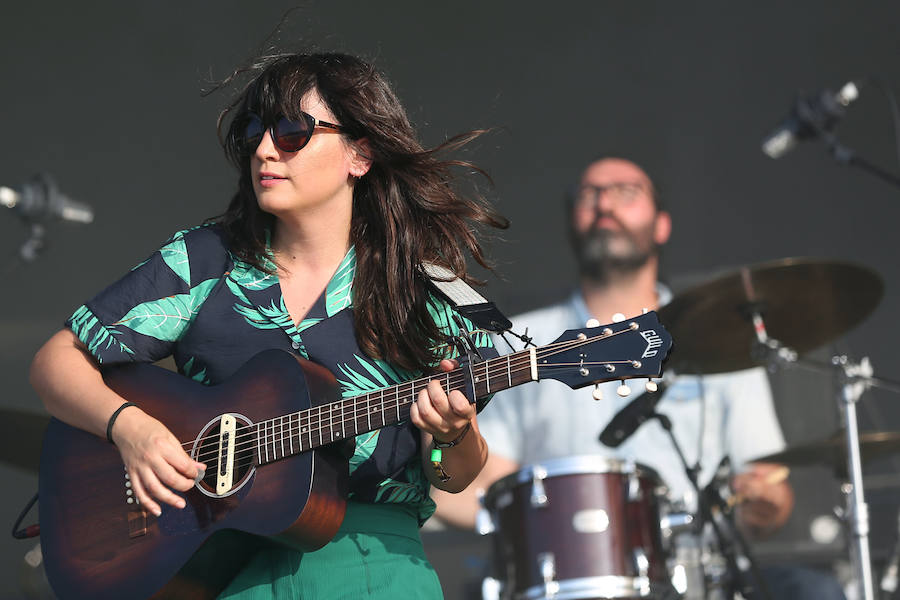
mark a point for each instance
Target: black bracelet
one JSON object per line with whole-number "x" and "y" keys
{"x": 112, "y": 420}
{"x": 458, "y": 439}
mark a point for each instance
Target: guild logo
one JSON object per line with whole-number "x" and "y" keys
{"x": 653, "y": 342}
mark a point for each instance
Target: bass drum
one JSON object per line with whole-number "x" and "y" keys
{"x": 579, "y": 528}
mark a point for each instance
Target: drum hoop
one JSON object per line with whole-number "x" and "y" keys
{"x": 604, "y": 586}
{"x": 572, "y": 465}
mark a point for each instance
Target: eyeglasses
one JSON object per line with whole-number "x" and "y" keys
{"x": 288, "y": 135}
{"x": 620, "y": 192}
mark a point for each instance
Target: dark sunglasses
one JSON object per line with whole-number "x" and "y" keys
{"x": 288, "y": 135}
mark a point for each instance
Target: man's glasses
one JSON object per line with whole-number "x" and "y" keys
{"x": 587, "y": 195}
{"x": 288, "y": 135}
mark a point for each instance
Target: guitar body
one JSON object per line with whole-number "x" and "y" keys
{"x": 99, "y": 543}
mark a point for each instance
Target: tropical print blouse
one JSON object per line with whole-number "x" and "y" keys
{"x": 193, "y": 300}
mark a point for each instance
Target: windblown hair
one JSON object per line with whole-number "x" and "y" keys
{"x": 406, "y": 208}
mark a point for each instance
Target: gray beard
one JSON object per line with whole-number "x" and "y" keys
{"x": 598, "y": 262}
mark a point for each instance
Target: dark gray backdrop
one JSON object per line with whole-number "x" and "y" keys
{"x": 105, "y": 97}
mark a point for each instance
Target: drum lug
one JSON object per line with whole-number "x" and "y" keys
{"x": 641, "y": 563}
{"x": 547, "y": 567}
{"x": 484, "y": 522}
{"x": 635, "y": 493}
{"x": 538, "y": 493}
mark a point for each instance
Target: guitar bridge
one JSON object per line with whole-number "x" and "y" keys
{"x": 225, "y": 472}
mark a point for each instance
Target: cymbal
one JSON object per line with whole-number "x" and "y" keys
{"x": 21, "y": 435}
{"x": 832, "y": 451}
{"x": 804, "y": 303}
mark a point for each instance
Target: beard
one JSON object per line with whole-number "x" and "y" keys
{"x": 603, "y": 255}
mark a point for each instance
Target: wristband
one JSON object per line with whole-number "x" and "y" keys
{"x": 112, "y": 420}
{"x": 458, "y": 439}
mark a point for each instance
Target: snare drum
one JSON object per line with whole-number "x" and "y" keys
{"x": 578, "y": 528}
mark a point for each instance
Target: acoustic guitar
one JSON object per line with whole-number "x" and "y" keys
{"x": 270, "y": 437}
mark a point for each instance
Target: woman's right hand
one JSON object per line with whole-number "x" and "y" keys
{"x": 155, "y": 459}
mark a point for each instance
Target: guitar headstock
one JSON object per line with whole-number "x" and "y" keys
{"x": 628, "y": 349}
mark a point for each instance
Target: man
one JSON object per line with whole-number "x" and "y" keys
{"x": 617, "y": 228}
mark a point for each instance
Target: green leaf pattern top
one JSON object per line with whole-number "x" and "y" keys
{"x": 188, "y": 371}
{"x": 414, "y": 491}
{"x": 167, "y": 318}
{"x": 94, "y": 334}
{"x": 338, "y": 293}
{"x": 356, "y": 383}
{"x": 176, "y": 257}
{"x": 250, "y": 277}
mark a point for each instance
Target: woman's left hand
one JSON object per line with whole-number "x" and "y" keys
{"x": 443, "y": 416}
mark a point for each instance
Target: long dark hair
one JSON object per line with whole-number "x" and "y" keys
{"x": 406, "y": 209}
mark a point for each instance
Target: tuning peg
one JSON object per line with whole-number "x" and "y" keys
{"x": 623, "y": 390}
{"x": 597, "y": 393}
{"x": 651, "y": 386}
{"x": 645, "y": 310}
{"x": 592, "y": 323}
{"x": 618, "y": 317}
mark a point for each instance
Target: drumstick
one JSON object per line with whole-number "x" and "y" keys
{"x": 775, "y": 476}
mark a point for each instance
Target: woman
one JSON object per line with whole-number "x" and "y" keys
{"x": 335, "y": 195}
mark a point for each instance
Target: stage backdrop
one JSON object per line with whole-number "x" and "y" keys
{"x": 106, "y": 97}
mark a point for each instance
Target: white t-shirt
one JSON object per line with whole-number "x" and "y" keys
{"x": 732, "y": 413}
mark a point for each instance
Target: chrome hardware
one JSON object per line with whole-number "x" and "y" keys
{"x": 641, "y": 563}
{"x": 675, "y": 523}
{"x": 491, "y": 588}
{"x": 484, "y": 523}
{"x": 635, "y": 493}
{"x": 547, "y": 566}
{"x": 538, "y": 493}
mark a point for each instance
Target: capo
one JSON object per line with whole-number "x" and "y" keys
{"x": 464, "y": 342}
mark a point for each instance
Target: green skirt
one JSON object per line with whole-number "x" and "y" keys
{"x": 377, "y": 553}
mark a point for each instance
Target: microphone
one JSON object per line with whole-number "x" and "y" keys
{"x": 627, "y": 420}
{"x": 809, "y": 117}
{"x": 40, "y": 200}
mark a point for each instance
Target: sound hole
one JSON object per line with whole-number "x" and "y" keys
{"x": 213, "y": 454}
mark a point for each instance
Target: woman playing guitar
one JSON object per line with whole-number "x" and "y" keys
{"x": 318, "y": 254}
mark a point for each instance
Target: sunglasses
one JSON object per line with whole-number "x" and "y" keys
{"x": 288, "y": 135}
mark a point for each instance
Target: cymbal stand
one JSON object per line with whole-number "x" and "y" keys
{"x": 854, "y": 380}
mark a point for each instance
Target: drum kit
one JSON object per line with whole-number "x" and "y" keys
{"x": 590, "y": 527}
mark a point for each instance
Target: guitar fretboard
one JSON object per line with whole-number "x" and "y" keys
{"x": 314, "y": 427}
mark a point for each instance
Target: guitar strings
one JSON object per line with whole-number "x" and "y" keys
{"x": 392, "y": 399}
{"x": 268, "y": 434}
{"x": 276, "y": 431}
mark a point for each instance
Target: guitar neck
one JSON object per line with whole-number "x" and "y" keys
{"x": 314, "y": 427}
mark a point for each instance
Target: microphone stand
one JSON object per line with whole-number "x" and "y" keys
{"x": 706, "y": 502}
{"x": 842, "y": 154}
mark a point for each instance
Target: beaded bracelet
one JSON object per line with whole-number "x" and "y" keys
{"x": 112, "y": 420}
{"x": 436, "y": 453}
